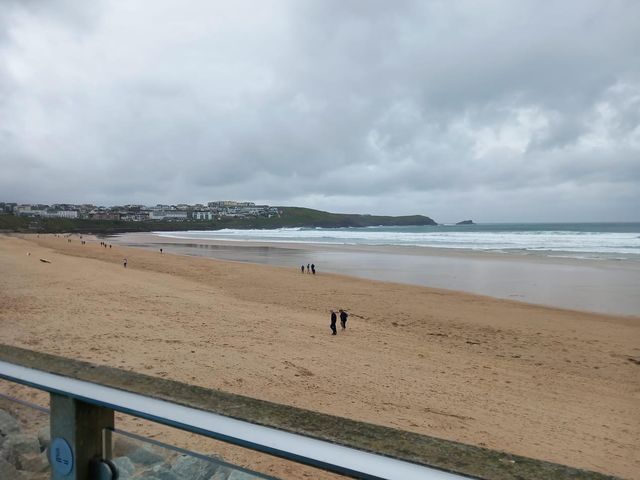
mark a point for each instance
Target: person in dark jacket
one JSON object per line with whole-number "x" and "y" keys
{"x": 343, "y": 318}
{"x": 333, "y": 323}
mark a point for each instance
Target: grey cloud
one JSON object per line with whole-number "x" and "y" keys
{"x": 382, "y": 106}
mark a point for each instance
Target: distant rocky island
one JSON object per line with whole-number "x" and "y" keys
{"x": 466, "y": 222}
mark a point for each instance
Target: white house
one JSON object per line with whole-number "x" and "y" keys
{"x": 203, "y": 215}
{"x": 167, "y": 215}
{"x": 63, "y": 214}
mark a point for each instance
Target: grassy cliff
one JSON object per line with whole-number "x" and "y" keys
{"x": 289, "y": 217}
{"x": 11, "y": 223}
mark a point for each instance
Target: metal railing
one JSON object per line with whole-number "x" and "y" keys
{"x": 84, "y": 397}
{"x": 290, "y": 446}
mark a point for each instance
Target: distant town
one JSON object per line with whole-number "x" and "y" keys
{"x": 140, "y": 213}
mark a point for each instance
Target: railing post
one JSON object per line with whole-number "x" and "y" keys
{"x": 77, "y": 437}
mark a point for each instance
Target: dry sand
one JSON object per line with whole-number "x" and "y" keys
{"x": 546, "y": 383}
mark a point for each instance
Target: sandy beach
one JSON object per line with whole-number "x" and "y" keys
{"x": 543, "y": 382}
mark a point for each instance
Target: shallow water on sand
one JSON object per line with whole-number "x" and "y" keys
{"x": 598, "y": 286}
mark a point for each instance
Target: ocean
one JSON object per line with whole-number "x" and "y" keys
{"x": 613, "y": 241}
{"x": 582, "y": 266}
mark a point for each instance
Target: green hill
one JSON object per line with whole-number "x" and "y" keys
{"x": 289, "y": 217}
{"x": 11, "y": 223}
{"x": 306, "y": 217}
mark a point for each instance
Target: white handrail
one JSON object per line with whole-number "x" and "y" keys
{"x": 296, "y": 447}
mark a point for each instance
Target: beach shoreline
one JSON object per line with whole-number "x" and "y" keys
{"x": 536, "y": 381}
{"x": 602, "y": 286}
{"x": 162, "y": 237}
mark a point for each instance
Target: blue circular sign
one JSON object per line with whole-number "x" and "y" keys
{"x": 60, "y": 456}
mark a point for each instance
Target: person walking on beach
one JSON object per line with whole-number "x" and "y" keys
{"x": 308, "y": 268}
{"x": 124, "y": 262}
{"x": 160, "y": 250}
{"x": 313, "y": 268}
{"x": 343, "y": 319}
{"x": 302, "y": 269}
{"x": 333, "y": 323}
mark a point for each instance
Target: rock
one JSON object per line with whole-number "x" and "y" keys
{"x": 137, "y": 451}
{"x": 44, "y": 438}
{"x": 466, "y": 222}
{"x": 222, "y": 473}
{"x": 238, "y": 475}
{"x": 8, "y": 471}
{"x": 145, "y": 456}
{"x": 32, "y": 462}
{"x": 159, "y": 472}
{"x": 125, "y": 467}
{"x": 123, "y": 446}
{"x": 8, "y": 425}
{"x": 193, "y": 468}
{"x": 19, "y": 445}
{"x": 38, "y": 476}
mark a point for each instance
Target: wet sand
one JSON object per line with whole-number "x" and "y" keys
{"x": 603, "y": 286}
{"x": 542, "y": 382}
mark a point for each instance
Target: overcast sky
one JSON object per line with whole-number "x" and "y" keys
{"x": 491, "y": 110}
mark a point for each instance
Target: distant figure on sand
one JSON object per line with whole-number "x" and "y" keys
{"x": 343, "y": 319}
{"x": 160, "y": 250}
{"x": 308, "y": 268}
{"x": 333, "y": 323}
{"x": 124, "y": 262}
{"x": 313, "y": 268}
{"x": 302, "y": 269}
